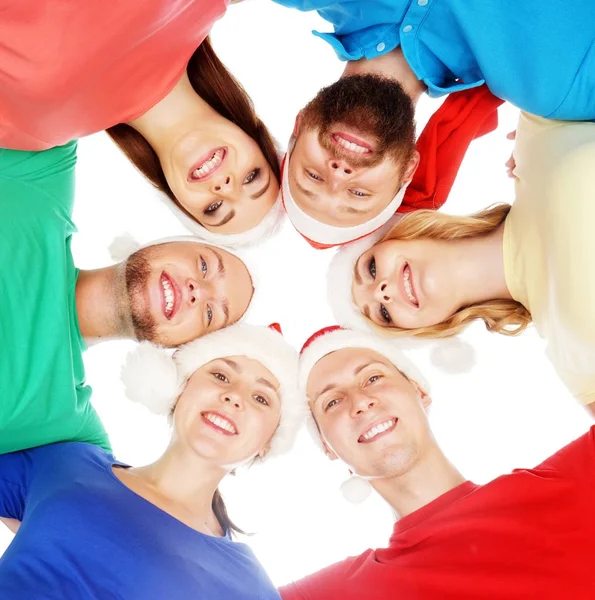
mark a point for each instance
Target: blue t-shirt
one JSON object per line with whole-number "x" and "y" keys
{"x": 540, "y": 56}
{"x": 85, "y": 535}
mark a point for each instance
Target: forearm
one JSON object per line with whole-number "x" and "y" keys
{"x": 12, "y": 524}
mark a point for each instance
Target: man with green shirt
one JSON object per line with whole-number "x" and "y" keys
{"x": 168, "y": 293}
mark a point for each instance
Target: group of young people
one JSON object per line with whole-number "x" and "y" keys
{"x": 353, "y": 177}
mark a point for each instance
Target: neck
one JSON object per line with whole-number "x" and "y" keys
{"x": 392, "y": 65}
{"x": 477, "y": 266}
{"x": 100, "y": 296}
{"x": 183, "y": 479}
{"x": 431, "y": 477}
{"x": 171, "y": 118}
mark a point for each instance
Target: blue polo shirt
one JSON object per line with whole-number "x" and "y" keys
{"x": 540, "y": 56}
{"x": 86, "y": 536}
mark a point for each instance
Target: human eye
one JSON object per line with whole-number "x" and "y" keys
{"x": 261, "y": 400}
{"x": 220, "y": 377}
{"x": 332, "y": 403}
{"x": 209, "y": 316}
{"x": 252, "y": 176}
{"x": 313, "y": 176}
{"x": 213, "y": 208}
{"x": 372, "y": 267}
{"x": 373, "y": 379}
{"x": 384, "y": 315}
{"x": 203, "y": 266}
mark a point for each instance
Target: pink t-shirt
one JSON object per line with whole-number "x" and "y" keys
{"x": 69, "y": 68}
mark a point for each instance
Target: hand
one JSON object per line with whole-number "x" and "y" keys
{"x": 510, "y": 164}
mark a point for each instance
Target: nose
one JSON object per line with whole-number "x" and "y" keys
{"x": 232, "y": 398}
{"x": 384, "y": 292}
{"x": 360, "y": 404}
{"x": 221, "y": 184}
{"x": 339, "y": 167}
{"x": 193, "y": 292}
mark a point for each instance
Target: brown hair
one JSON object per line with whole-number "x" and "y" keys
{"x": 223, "y": 92}
{"x": 507, "y": 317}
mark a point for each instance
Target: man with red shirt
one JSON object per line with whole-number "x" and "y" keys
{"x": 528, "y": 534}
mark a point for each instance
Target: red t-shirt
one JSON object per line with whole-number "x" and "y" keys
{"x": 69, "y": 68}
{"x": 530, "y": 534}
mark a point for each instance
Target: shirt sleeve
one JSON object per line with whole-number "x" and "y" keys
{"x": 575, "y": 461}
{"x": 15, "y": 475}
{"x": 50, "y": 173}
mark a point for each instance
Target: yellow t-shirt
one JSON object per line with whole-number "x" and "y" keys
{"x": 549, "y": 243}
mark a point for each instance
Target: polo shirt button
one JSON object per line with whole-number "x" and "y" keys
{"x": 422, "y": 2}
{"x": 407, "y": 28}
{"x": 381, "y": 47}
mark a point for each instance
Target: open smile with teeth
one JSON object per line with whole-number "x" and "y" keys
{"x": 349, "y": 145}
{"x": 209, "y": 165}
{"x": 409, "y": 287}
{"x": 377, "y": 430}
{"x": 220, "y": 422}
{"x": 169, "y": 296}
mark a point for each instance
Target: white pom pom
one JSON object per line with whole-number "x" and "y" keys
{"x": 453, "y": 356}
{"x": 356, "y": 489}
{"x": 123, "y": 246}
{"x": 150, "y": 377}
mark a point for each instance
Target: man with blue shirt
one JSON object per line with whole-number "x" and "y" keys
{"x": 345, "y": 170}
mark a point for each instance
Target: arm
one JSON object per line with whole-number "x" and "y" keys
{"x": 591, "y": 409}
{"x": 12, "y": 524}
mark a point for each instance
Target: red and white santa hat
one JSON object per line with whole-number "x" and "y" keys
{"x": 155, "y": 377}
{"x": 451, "y": 355}
{"x": 320, "y": 235}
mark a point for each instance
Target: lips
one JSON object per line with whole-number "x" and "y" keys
{"x": 219, "y": 422}
{"x": 351, "y": 143}
{"x": 377, "y": 430}
{"x": 207, "y": 165}
{"x": 171, "y": 295}
{"x": 406, "y": 286}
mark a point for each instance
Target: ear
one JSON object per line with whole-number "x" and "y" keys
{"x": 330, "y": 453}
{"x": 296, "y": 125}
{"x": 264, "y": 450}
{"x": 410, "y": 168}
{"x": 426, "y": 400}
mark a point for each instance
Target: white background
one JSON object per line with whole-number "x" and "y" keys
{"x": 510, "y": 411}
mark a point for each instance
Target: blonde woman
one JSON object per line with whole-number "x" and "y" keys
{"x": 93, "y": 527}
{"x": 432, "y": 274}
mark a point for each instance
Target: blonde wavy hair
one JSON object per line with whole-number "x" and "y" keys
{"x": 507, "y": 317}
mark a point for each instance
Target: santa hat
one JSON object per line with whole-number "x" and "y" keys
{"x": 329, "y": 339}
{"x": 125, "y": 245}
{"x": 320, "y": 235}
{"x": 155, "y": 377}
{"x": 451, "y": 355}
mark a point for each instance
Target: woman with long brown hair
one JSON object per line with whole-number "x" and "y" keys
{"x": 432, "y": 274}
{"x": 144, "y": 71}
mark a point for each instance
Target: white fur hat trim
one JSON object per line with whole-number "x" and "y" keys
{"x": 347, "y": 338}
{"x": 149, "y": 378}
{"x": 331, "y": 235}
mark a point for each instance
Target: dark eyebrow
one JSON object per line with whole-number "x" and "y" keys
{"x": 262, "y": 191}
{"x": 226, "y": 219}
{"x": 233, "y": 364}
{"x": 356, "y": 275}
{"x": 353, "y": 211}
{"x": 220, "y": 265}
{"x": 267, "y": 383}
{"x": 305, "y": 191}
{"x": 361, "y": 368}
{"x": 356, "y": 371}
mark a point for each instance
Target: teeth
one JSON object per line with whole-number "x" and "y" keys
{"x": 407, "y": 284}
{"x": 220, "y": 422}
{"x": 350, "y": 145}
{"x": 374, "y": 431}
{"x": 209, "y": 165}
{"x": 168, "y": 295}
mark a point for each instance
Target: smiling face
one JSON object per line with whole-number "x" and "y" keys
{"x": 405, "y": 284}
{"x": 228, "y": 411}
{"x": 179, "y": 291}
{"x": 354, "y": 149}
{"x": 220, "y": 177}
{"x": 369, "y": 414}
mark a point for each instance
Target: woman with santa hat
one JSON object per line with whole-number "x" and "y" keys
{"x": 162, "y": 530}
{"x": 432, "y": 274}
{"x": 144, "y": 71}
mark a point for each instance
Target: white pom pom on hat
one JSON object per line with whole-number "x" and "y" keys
{"x": 356, "y": 489}
{"x": 450, "y": 355}
{"x": 155, "y": 378}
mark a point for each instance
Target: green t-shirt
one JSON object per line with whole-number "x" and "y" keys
{"x": 43, "y": 396}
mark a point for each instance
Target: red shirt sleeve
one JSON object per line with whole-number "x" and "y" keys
{"x": 322, "y": 585}
{"x": 576, "y": 460}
